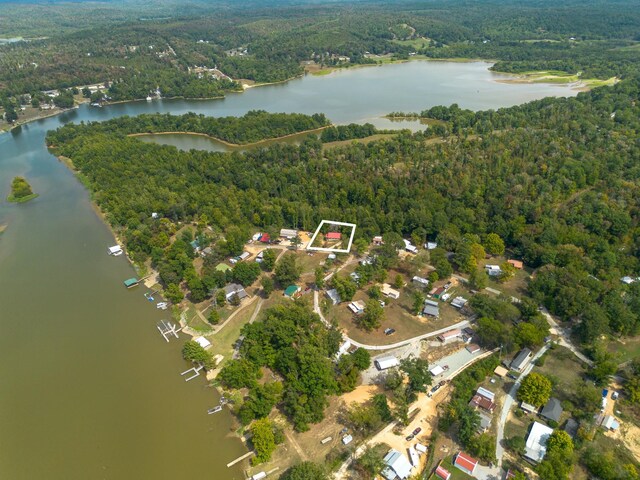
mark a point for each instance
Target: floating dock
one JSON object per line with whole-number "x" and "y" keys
{"x": 131, "y": 282}
{"x": 196, "y": 373}
{"x": 167, "y": 329}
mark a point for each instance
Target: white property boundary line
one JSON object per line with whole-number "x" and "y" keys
{"x": 332, "y": 250}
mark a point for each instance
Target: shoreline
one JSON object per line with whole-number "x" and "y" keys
{"x": 235, "y": 145}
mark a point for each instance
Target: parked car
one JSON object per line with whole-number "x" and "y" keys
{"x": 409, "y": 438}
{"x": 416, "y": 431}
{"x": 389, "y": 331}
{"x": 512, "y": 376}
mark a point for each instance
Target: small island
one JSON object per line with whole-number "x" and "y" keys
{"x": 21, "y": 191}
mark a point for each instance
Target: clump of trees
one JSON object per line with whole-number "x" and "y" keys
{"x": 292, "y": 342}
{"x": 20, "y": 190}
{"x": 535, "y": 389}
{"x": 194, "y": 352}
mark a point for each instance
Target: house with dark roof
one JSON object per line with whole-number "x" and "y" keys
{"x": 521, "y": 360}
{"x": 234, "y": 289}
{"x": 571, "y": 427}
{"x": 334, "y": 296}
{"x": 552, "y": 410}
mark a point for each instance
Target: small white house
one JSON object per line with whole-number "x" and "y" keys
{"x": 116, "y": 250}
{"x": 431, "y": 245}
{"x": 420, "y": 282}
{"x": 387, "y": 291}
{"x": 347, "y": 439}
{"x": 493, "y": 270}
{"x": 409, "y": 247}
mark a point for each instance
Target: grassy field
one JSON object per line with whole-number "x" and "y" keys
{"x": 564, "y": 369}
{"x": 416, "y": 43}
{"x": 624, "y": 349}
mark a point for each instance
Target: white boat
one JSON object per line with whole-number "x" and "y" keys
{"x": 162, "y": 305}
{"x": 116, "y": 250}
{"x": 149, "y": 98}
{"x": 214, "y": 410}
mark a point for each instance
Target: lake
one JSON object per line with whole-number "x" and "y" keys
{"x": 89, "y": 388}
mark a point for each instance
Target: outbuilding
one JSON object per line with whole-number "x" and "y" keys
{"x": 334, "y": 296}
{"x": 443, "y": 473}
{"x": 288, "y": 233}
{"x": 521, "y": 360}
{"x": 552, "y": 410}
{"x": 465, "y": 463}
{"x": 203, "y": 342}
{"x": 385, "y": 362}
{"x": 397, "y": 466}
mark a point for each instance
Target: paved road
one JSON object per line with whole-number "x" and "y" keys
{"x": 508, "y": 402}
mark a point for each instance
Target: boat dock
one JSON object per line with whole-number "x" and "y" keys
{"x": 196, "y": 373}
{"x": 239, "y": 459}
{"x": 167, "y": 329}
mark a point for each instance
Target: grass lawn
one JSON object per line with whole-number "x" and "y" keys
{"x": 416, "y": 43}
{"x": 624, "y": 349}
{"x": 564, "y": 369}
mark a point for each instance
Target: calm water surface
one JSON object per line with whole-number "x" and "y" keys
{"x": 88, "y": 388}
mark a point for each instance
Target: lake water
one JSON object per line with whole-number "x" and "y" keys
{"x": 89, "y": 389}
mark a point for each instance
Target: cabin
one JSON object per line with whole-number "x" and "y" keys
{"x": 473, "y": 348}
{"x": 465, "y": 463}
{"x": 420, "y": 282}
{"x": 334, "y": 296}
{"x": 431, "y": 310}
{"x": 437, "y": 292}
{"x": 431, "y": 245}
{"x": 450, "y": 336}
{"x": 552, "y": 410}
{"x": 116, "y": 250}
{"x": 409, "y": 247}
{"x": 387, "y": 291}
{"x": 288, "y": 233}
{"x": 131, "y": 282}
{"x": 385, "y": 362}
{"x": 377, "y": 241}
{"x": 521, "y": 360}
{"x": 333, "y": 236}
{"x": 483, "y": 399}
{"x": 291, "y": 291}
{"x": 397, "y": 466}
{"x": 234, "y": 289}
{"x": 536, "y": 444}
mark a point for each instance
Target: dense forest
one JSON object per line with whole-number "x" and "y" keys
{"x": 270, "y": 44}
{"x": 557, "y": 179}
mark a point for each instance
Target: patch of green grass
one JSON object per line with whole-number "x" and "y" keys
{"x": 13, "y": 199}
{"x": 416, "y": 43}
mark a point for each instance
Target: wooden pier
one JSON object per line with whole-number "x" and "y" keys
{"x": 239, "y": 459}
{"x": 196, "y": 373}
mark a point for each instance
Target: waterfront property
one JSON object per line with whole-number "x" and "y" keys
{"x": 131, "y": 282}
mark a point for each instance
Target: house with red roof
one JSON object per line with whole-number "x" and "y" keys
{"x": 264, "y": 238}
{"x": 465, "y": 463}
{"x": 333, "y": 236}
{"x": 443, "y": 473}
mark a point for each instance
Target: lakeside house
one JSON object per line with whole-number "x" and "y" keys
{"x": 521, "y": 360}
{"x": 465, "y": 462}
{"x": 385, "y": 362}
{"x": 536, "y": 445}
{"x": 552, "y": 410}
{"x": 397, "y": 466}
{"x": 234, "y": 289}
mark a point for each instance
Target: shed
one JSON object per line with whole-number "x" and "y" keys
{"x": 527, "y": 407}
{"x": 347, "y": 439}
{"x": 552, "y": 410}
{"x": 291, "y": 290}
{"x": 334, "y": 296}
{"x": 437, "y": 370}
{"x": 431, "y": 245}
{"x": 473, "y": 348}
{"x": 421, "y": 448}
{"x": 385, "y": 362}
{"x": 442, "y": 473}
{"x": 628, "y": 280}
{"x": 265, "y": 238}
{"x": 486, "y": 393}
{"x": 493, "y": 270}
{"x": 431, "y": 311}
{"x": 244, "y": 255}
{"x": 431, "y": 302}
{"x": 259, "y": 476}
{"x": 333, "y": 236}
{"x": 465, "y": 463}
{"x": 203, "y": 342}
{"x": 516, "y": 263}
{"x": 377, "y": 240}
{"x": 571, "y": 427}
{"x": 501, "y": 371}
{"x": 438, "y": 291}
{"x": 331, "y": 256}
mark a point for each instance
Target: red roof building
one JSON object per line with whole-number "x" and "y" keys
{"x": 516, "y": 263}
{"x": 465, "y": 463}
{"x": 333, "y": 236}
{"x": 265, "y": 238}
{"x": 442, "y": 473}
{"x": 482, "y": 402}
